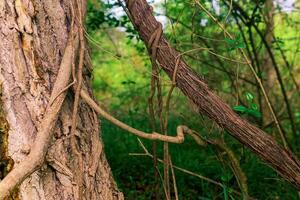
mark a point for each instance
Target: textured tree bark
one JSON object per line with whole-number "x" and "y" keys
{"x": 33, "y": 37}
{"x": 210, "y": 104}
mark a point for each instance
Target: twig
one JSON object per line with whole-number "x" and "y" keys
{"x": 146, "y": 153}
{"x": 174, "y": 179}
{"x": 288, "y": 66}
{"x": 234, "y": 164}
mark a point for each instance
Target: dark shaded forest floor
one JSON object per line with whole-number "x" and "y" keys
{"x": 135, "y": 176}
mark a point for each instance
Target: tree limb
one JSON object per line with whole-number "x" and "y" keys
{"x": 209, "y": 104}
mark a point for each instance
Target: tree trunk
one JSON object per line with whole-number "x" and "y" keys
{"x": 33, "y": 37}
{"x": 267, "y": 62}
{"x": 268, "y": 69}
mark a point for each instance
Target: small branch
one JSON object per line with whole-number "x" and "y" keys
{"x": 288, "y": 66}
{"x": 235, "y": 166}
{"x": 174, "y": 179}
{"x": 146, "y": 153}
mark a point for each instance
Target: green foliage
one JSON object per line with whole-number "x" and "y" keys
{"x": 251, "y": 110}
{"x": 249, "y": 96}
{"x": 95, "y": 17}
{"x": 240, "y": 108}
{"x": 235, "y": 43}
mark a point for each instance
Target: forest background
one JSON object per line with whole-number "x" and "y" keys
{"x": 269, "y": 34}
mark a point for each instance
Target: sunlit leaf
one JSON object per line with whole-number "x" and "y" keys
{"x": 239, "y": 108}
{"x": 249, "y": 96}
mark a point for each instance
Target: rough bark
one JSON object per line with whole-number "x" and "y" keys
{"x": 209, "y": 104}
{"x": 33, "y": 37}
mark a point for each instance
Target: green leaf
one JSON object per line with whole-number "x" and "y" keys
{"x": 240, "y": 108}
{"x": 254, "y": 106}
{"x": 226, "y": 177}
{"x": 230, "y": 41}
{"x": 254, "y": 113}
{"x": 241, "y": 45}
{"x": 249, "y": 96}
{"x": 235, "y": 43}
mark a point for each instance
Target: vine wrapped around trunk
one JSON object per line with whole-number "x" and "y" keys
{"x": 34, "y": 50}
